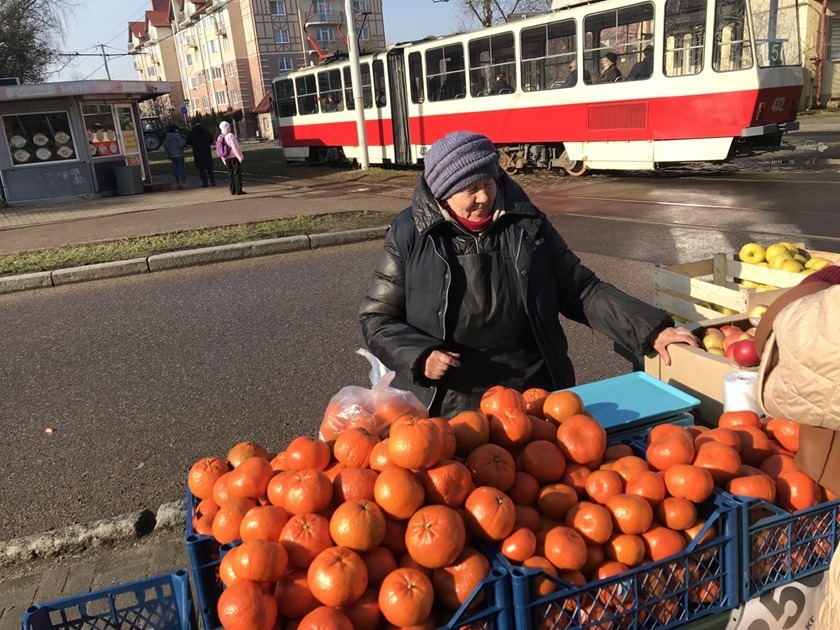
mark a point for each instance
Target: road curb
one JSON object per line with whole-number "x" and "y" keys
{"x": 107, "y": 532}
{"x": 186, "y": 258}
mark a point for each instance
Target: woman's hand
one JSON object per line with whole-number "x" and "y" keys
{"x": 673, "y": 335}
{"x": 439, "y": 362}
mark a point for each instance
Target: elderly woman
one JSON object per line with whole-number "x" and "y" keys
{"x": 468, "y": 290}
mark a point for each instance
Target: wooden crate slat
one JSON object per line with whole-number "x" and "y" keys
{"x": 692, "y": 269}
{"x": 693, "y": 288}
{"x": 681, "y": 307}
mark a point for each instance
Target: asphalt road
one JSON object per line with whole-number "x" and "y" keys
{"x": 139, "y": 377}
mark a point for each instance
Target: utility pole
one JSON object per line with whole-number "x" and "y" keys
{"x": 356, "y": 74}
{"x": 105, "y": 57}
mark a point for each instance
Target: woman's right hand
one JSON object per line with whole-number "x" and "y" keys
{"x": 439, "y": 362}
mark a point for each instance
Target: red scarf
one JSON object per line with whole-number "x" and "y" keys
{"x": 472, "y": 226}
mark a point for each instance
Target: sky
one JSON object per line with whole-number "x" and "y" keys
{"x": 106, "y": 22}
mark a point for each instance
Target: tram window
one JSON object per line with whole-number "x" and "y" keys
{"x": 547, "y": 55}
{"x": 492, "y": 65}
{"x": 733, "y": 48}
{"x": 415, "y": 77}
{"x": 624, "y": 32}
{"x": 379, "y": 83}
{"x": 685, "y": 37}
{"x": 329, "y": 91}
{"x": 348, "y": 88}
{"x": 307, "y": 94}
{"x": 445, "y": 73}
{"x": 776, "y": 32}
{"x": 284, "y": 97}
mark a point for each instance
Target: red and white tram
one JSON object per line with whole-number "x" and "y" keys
{"x": 701, "y": 81}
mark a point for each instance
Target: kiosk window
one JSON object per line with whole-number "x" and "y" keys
{"x": 101, "y": 131}
{"x": 38, "y": 138}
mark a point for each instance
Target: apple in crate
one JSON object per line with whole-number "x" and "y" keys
{"x": 743, "y": 353}
{"x": 713, "y": 339}
{"x": 752, "y": 253}
{"x": 756, "y": 312}
{"x": 734, "y": 338}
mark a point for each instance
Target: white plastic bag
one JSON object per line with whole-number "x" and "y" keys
{"x": 373, "y": 409}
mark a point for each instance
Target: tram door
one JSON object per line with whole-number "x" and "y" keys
{"x": 399, "y": 106}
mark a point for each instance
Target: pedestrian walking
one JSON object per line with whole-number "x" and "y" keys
{"x": 201, "y": 140}
{"x": 173, "y": 145}
{"x": 227, "y": 148}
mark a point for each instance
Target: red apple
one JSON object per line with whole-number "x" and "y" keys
{"x": 744, "y": 353}
{"x": 728, "y": 329}
{"x": 734, "y": 338}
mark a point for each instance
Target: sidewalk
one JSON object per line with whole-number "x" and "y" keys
{"x": 38, "y": 226}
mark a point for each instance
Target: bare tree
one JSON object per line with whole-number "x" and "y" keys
{"x": 29, "y": 32}
{"x": 476, "y": 13}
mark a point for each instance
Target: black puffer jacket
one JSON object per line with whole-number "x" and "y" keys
{"x": 404, "y": 314}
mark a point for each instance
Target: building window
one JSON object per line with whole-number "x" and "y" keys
{"x": 201, "y": 79}
{"x": 231, "y": 71}
{"x": 364, "y": 33}
{"x": 204, "y": 102}
{"x": 325, "y": 35}
{"x": 214, "y": 46}
{"x": 234, "y": 97}
{"x": 226, "y": 43}
{"x": 217, "y": 73}
{"x": 221, "y": 98}
{"x": 281, "y": 36}
{"x": 834, "y": 46}
{"x": 285, "y": 64}
{"x": 360, "y": 6}
{"x": 152, "y": 71}
{"x": 278, "y": 7}
{"x": 189, "y": 59}
{"x": 192, "y": 83}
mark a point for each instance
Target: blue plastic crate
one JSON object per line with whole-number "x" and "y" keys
{"x": 778, "y": 547}
{"x": 700, "y": 581}
{"x": 205, "y": 556}
{"x": 205, "y": 553}
{"x": 494, "y": 613}
{"x": 159, "y": 602}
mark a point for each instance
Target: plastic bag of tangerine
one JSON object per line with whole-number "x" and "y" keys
{"x": 374, "y": 409}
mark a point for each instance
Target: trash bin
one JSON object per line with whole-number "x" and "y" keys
{"x": 129, "y": 180}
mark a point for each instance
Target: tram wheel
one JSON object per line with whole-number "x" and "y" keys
{"x": 574, "y": 168}
{"x": 507, "y": 163}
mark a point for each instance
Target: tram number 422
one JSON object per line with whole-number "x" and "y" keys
{"x": 788, "y": 607}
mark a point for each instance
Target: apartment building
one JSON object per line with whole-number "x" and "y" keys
{"x": 227, "y": 52}
{"x": 155, "y": 59}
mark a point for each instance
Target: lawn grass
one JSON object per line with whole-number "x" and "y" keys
{"x": 141, "y": 247}
{"x": 270, "y": 161}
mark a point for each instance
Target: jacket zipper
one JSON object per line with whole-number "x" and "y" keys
{"x": 443, "y": 313}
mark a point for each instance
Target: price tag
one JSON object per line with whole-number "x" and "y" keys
{"x": 793, "y": 606}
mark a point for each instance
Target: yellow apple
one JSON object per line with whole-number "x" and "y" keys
{"x": 750, "y": 283}
{"x": 751, "y": 253}
{"x": 775, "y": 250}
{"x": 808, "y": 272}
{"x": 751, "y": 331}
{"x": 793, "y": 249}
{"x": 763, "y": 264}
{"x": 818, "y": 263}
{"x": 755, "y": 314}
{"x": 777, "y": 261}
{"x": 792, "y": 266}
{"x": 728, "y": 311}
{"x": 800, "y": 259}
{"x": 717, "y": 351}
{"x": 713, "y": 339}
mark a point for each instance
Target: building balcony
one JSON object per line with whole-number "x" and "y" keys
{"x": 324, "y": 18}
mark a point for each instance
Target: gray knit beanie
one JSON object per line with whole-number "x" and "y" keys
{"x": 458, "y": 160}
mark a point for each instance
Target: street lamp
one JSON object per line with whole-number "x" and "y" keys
{"x": 356, "y": 74}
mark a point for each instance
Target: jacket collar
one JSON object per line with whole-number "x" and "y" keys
{"x": 428, "y": 213}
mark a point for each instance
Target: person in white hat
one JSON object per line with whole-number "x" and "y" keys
{"x": 227, "y": 148}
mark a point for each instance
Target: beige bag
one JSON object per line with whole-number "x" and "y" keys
{"x": 799, "y": 375}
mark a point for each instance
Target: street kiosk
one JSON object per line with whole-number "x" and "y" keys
{"x": 71, "y": 139}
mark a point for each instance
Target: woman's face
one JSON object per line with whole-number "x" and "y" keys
{"x": 475, "y": 202}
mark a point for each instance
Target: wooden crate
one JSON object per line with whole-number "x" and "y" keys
{"x": 682, "y": 289}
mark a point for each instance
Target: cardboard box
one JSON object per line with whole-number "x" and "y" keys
{"x": 697, "y": 372}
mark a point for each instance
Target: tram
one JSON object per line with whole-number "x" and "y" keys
{"x": 694, "y": 81}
